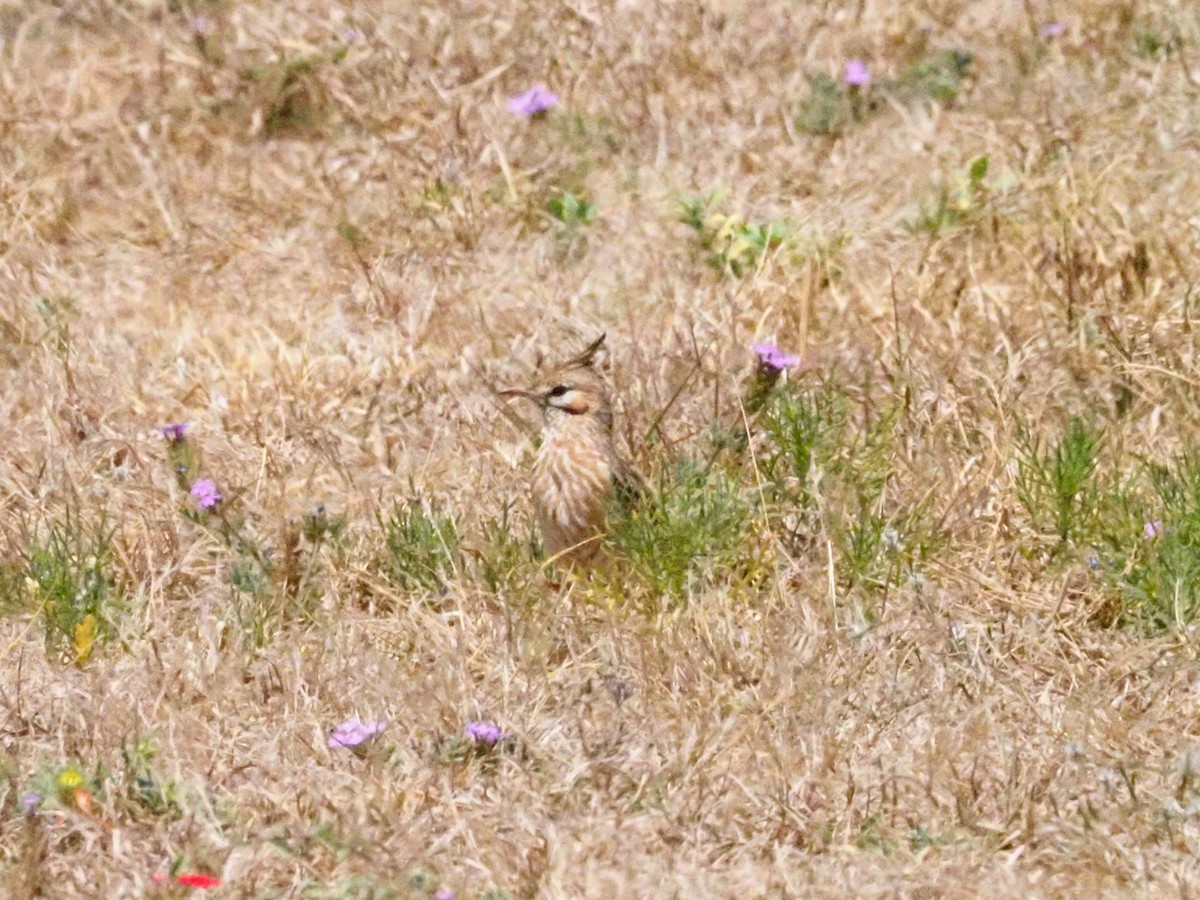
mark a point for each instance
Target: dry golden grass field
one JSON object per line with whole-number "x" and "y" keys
{"x": 914, "y": 619}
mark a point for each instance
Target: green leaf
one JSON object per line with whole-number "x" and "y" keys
{"x": 570, "y": 207}
{"x": 978, "y": 170}
{"x": 350, "y": 233}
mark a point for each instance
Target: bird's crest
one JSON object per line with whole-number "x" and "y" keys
{"x": 588, "y": 356}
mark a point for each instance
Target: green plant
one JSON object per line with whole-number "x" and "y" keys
{"x": 66, "y": 568}
{"x": 307, "y": 546}
{"x": 288, "y": 94}
{"x": 952, "y": 206}
{"x": 736, "y": 245}
{"x": 824, "y": 476}
{"x": 1056, "y": 486}
{"x": 939, "y": 77}
{"x": 573, "y": 212}
{"x": 1154, "y": 557}
{"x": 421, "y": 547}
{"x": 1152, "y": 43}
{"x": 322, "y": 528}
{"x": 503, "y": 557}
{"x": 864, "y": 533}
{"x": 694, "y": 523}
{"x": 143, "y": 786}
{"x": 833, "y": 107}
{"x": 801, "y": 425}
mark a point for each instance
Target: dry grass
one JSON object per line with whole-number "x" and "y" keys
{"x": 324, "y": 268}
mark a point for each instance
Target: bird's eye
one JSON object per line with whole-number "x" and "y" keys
{"x": 558, "y": 390}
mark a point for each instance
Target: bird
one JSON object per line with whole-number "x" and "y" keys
{"x": 577, "y": 474}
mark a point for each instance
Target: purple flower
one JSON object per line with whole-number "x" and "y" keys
{"x": 201, "y": 25}
{"x": 354, "y": 732}
{"x": 772, "y": 359}
{"x": 175, "y": 432}
{"x": 486, "y": 734}
{"x": 857, "y": 74}
{"x": 1053, "y": 29}
{"x": 206, "y": 493}
{"x": 1152, "y": 529}
{"x": 443, "y": 893}
{"x": 30, "y": 803}
{"x": 533, "y": 102}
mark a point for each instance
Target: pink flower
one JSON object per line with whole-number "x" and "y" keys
{"x": 175, "y": 432}
{"x": 1053, "y": 29}
{"x": 772, "y": 359}
{"x": 857, "y": 74}
{"x": 443, "y": 893}
{"x": 354, "y": 733}
{"x": 486, "y": 734}
{"x": 206, "y": 493}
{"x": 533, "y": 102}
{"x": 1152, "y": 529}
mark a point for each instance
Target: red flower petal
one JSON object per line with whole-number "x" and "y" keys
{"x": 198, "y": 880}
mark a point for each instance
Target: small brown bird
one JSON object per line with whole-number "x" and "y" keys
{"x": 578, "y": 471}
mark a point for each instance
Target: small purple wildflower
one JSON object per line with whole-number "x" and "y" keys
{"x": 206, "y": 493}
{"x": 201, "y": 25}
{"x": 1151, "y": 530}
{"x": 486, "y": 734}
{"x": 772, "y": 359}
{"x": 857, "y": 74}
{"x": 1053, "y": 29}
{"x": 443, "y": 893}
{"x": 175, "y": 432}
{"x": 30, "y": 803}
{"x": 354, "y": 733}
{"x": 533, "y": 102}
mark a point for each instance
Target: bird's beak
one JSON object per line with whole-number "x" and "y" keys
{"x": 520, "y": 392}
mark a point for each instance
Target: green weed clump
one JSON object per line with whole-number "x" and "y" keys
{"x": 826, "y": 473}
{"x": 144, "y": 787}
{"x": 65, "y": 580}
{"x": 939, "y": 77}
{"x": 804, "y": 428}
{"x": 422, "y": 547}
{"x": 504, "y": 557}
{"x": 1056, "y": 484}
{"x": 693, "y": 528}
{"x": 1140, "y": 533}
{"x": 833, "y": 107}
{"x": 571, "y": 215}
{"x": 1156, "y": 562}
{"x": 573, "y": 212}
{"x": 736, "y": 245}
{"x": 953, "y": 203}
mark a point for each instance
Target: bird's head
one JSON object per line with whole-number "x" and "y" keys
{"x": 571, "y": 389}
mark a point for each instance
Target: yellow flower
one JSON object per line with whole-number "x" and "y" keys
{"x": 70, "y": 779}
